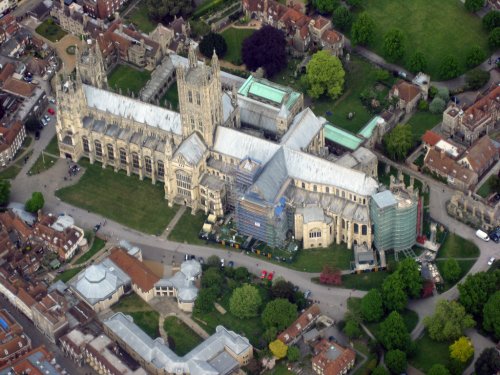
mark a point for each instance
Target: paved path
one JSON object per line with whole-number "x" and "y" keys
{"x": 480, "y": 343}
{"x": 171, "y": 225}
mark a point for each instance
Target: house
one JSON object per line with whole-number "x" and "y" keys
{"x": 407, "y": 94}
{"x": 293, "y": 333}
{"x": 430, "y": 138}
{"x": 13, "y": 341}
{"x": 332, "y": 359}
{"x": 39, "y": 361}
{"x": 480, "y": 156}
{"x": 11, "y": 140}
{"x": 49, "y": 315}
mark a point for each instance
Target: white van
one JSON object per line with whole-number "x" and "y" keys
{"x": 482, "y": 235}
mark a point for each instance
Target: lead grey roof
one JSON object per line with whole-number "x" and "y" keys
{"x": 311, "y": 214}
{"x": 304, "y": 128}
{"x": 191, "y": 149}
{"x": 141, "y": 112}
{"x": 384, "y": 199}
{"x": 258, "y": 114}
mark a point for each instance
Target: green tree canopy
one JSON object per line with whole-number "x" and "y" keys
{"x": 437, "y": 105}
{"x": 494, "y": 38}
{"x": 488, "y": 362}
{"x": 399, "y": 141}
{"x": 372, "y": 307}
{"x": 279, "y": 313}
{"x": 278, "y": 348}
{"x": 451, "y": 270}
{"x": 477, "y": 289}
{"x": 241, "y": 274}
{"x": 410, "y": 276}
{"x": 362, "y": 30}
{"x": 476, "y": 78}
{"x": 342, "y": 18}
{"x": 475, "y": 56}
{"x": 396, "y": 361}
{"x": 293, "y": 354}
{"x": 211, "y": 42}
{"x": 213, "y": 279}
{"x": 491, "y": 20}
{"x": 35, "y": 203}
{"x": 204, "y": 303}
{"x": 443, "y": 93}
{"x": 461, "y": 350}
{"x": 4, "y": 192}
{"x": 352, "y": 329}
{"x": 448, "y": 322}
{"x": 491, "y": 315}
{"x": 417, "y": 62}
{"x": 283, "y": 289}
{"x": 474, "y": 5}
{"x": 161, "y": 9}
{"x": 324, "y": 75}
{"x": 449, "y": 67}
{"x": 394, "y": 44}
{"x": 380, "y": 370}
{"x": 438, "y": 369}
{"x": 213, "y": 261}
{"x": 325, "y": 6}
{"x": 245, "y": 302}
{"x": 393, "y": 333}
{"x": 270, "y": 334}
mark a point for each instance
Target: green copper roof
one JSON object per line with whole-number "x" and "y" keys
{"x": 268, "y": 90}
{"x": 367, "y": 130}
{"x": 342, "y": 137}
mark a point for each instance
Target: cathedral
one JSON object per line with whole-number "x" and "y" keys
{"x": 253, "y": 151}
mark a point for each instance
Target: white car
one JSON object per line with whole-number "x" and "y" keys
{"x": 491, "y": 261}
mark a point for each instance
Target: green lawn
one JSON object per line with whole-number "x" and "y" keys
{"x": 50, "y": 30}
{"x": 97, "y": 245}
{"x": 485, "y": 188}
{"x": 465, "y": 266}
{"x": 125, "y": 199}
{"x": 188, "y": 227}
{"x": 131, "y": 303}
{"x": 280, "y": 369}
{"x": 43, "y": 163}
{"x": 10, "y": 172}
{"x": 171, "y": 96}
{"x": 422, "y": 121}
{"x": 183, "y": 338}
{"x": 428, "y": 353}
{"x": 127, "y": 79}
{"x": 234, "y": 39}
{"x": 147, "y": 321}
{"x": 313, "y": 260}
{"x": 431, "y": 28}
{"x": 139, "y": 16}
{"x": 68, "y": 275}
{"x": 457, "y": 247}
{"x": 364, "y": 281}
{"x": 409, "y": 316}
{"x": 53, "y": 147}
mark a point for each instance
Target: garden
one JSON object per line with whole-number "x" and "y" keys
{"x": 139, "y": 16}
{"x": 50, "y": 30}
{"x": 181, "y": 338}
{"x": 234, "y": 39}
{"x": 96, "y": 244}
{"x": 127, "y": 79}
{"x": 144, "y": 316}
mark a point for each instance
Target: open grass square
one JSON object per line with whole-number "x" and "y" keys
{"x": 139, "y": 16}
{"x": 455, "y": 246}
{"x": 44, "y": 162}
{"x": 188, "y": 227}
{"x": 183, "y": 338}
{"x": 10, "y": 172}
{"x": 127, "y": 79}
{"x": 430, "y": 27}
{"x": 422, "y": 121}
{"x": 53, "y": 147}
{"x": 364, "y": 281}
{"x": 429, "y": 352}
{"x": 313, "y": 260}
{"x": 125, "y": 199}
{"x": 234, "y": 39}
{"x": 50, "y": 30}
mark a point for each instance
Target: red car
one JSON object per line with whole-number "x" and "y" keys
{"x": 51, "y": 111}
{"x": 263, "y": 274}
{"x": 270, "y": 276}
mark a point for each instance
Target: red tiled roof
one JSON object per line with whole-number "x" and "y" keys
{"x": 320, "y": 22}
{"x": 302, "y": 322}
{"x": 405, "y": 91}
{"x": 437, "y": 160}
{"x": 332, "y": 358}
{"x": 481, "y": 154}
{"x": 19, "y": 88}
{"x": 331, "y": 37}
{"x": 7, "y": 72}
{"x": 431, "y": 138}
{"x": 140, "y": 274}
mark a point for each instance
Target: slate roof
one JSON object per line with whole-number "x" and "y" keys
{"x": 480, "y": 154}
{"x": 191, "y": 149}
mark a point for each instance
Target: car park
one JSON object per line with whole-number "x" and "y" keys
{"x": 491, "y": 261}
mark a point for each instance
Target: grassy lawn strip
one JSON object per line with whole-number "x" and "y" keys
{"x": 128, "y": 79}
{"x": 139, "y": 16}
{"x": 313, "y": 260}
{"x": 428, "y": 353}
{"x": 188, "y": 227}
{"x": 53, "y": 148}
{"x": 97, "y": 245}
{"x": 409, "y": 316}
{"x": 457, "y": 247}
{"x": 485, "y": 188}
{"x": 430, "y": 29}
{"x": 43, "y": 163}
{"x": 50, "y": 30}
{"x": 125, "y": 199}
{"x": 10, "y": 172}
{"x": 171, "y": 96}
{"x": 465, "y": 266}
{"x": 68, "y": 275}
{"x": 234, "y": 39}
{"x": 184, "y": 338}
{"x": 147, "y": 321}
{"x": 280, "y": 369}
{"x": 364, "y": 281}
{"x": 422, "y": 121}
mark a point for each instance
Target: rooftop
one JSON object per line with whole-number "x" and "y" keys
{"x": 342, "y": 137}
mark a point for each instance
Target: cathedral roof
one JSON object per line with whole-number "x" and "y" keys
{"x": 191, "y": 149}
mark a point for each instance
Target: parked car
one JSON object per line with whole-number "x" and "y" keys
{"x": 44, "y": 122}
{"x": 230, "y": 264}
{"x": 37, "y": 135}
{"x": 52, "y": 101}
{"x": 270, "y": 276}
{"x": 482, "y": 235}
{"x": 201, "y": 260}
{"x": 47, "y": 118}
{"x": 51, "y": 111}
{"x": 263, "y": 274}
{"x": 491, "y": 261}
{"x": 222, "y": 262}
{"x": 307, "y": 293}
{"x": 97, "y": 227}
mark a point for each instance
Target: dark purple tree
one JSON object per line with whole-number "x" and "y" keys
{"x": 265, "y": 48}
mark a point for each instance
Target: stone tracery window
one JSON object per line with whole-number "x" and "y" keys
{"x": 111, "y": 152}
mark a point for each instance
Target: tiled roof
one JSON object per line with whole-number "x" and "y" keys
{"x": 447, "y": 166}
{"x": 480, "y": 154}
{"x": 138, "y": 272}
{"x": 331, "y": 37}
{"x": 6, "y": 72}
{"x": 431, "y": 138}
{"x": 405, "y": 91}
{"x": 482, "y": 108}
{"x": 19, "y": 88}
{"x": 9, "y": 134}
{"x": 332, "y": 358}
{"x": 302, "y": 322}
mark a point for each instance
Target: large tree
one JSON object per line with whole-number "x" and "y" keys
{"x": 437, "y": 105}
{"x": 362, "y": 30}
{"x": 342, "y": 18}
{"x": 4, "y": 192}
{"x": 325, "y": 6}
{"x": 461, "y": 350}
{"x": 213, "y": 261}
{"x": 372, "y": 307}
{"x": 474, "y": 5}
{"x": 265, "y": 48}
{"x": 380, "y": 370}
{"x": 393, "y": 293}
{"x": 475, "y": 56}
{"x": 245, "y": 302}
{"x": 293, "y": 354}
{"x": 448, "y": 322}
{"x": 278, "y": 348}
{"x": 491, "y": 315}
{"x": 241, "y": 274}
{"x": 163, "y": 9}
{"x": 351, "y": 328}
{"x": 438, "y": 369}
{"x": 396, "y": 361}
{"x": 279, "y": 313}
{"x": 393, "y": 333}
{"x": 283, "y": 289}
{"x": 491, "y": 20}
{"x": 451, "y": 270}
{"x": 488, "y": 362}
{"x": 35, "y": 203}
{"x": 449, "y": 67}
{"x": 211, "y": 42}
{"x": 213, "y": 279}
{"x": 494, "y": 38}
{"x": 324, "y": 75}
{"x": 204, "y": 302}
{"x": 399, "y": 141}
{"x": 394, "y": 44}
{"x": 477, "y": 289}
{"x": 476, "y": 78}
{"x": 410, "y": 275}
{"x": 417, "y": 62}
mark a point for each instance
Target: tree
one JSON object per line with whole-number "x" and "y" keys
{"x": 279, "y": 313}
{"x": 474, "y": 5}
{"x": 380, "y": 370}
{"x": 396, "y": 361}
{"x": 32, "y": 124}
{"x": 213, "y": 261}
{"x": 491, "y": 315}
{"x": 494, "y": 38}
{"x": 494, "y": 183}
{"x": 393, "y": 333}
{"x": 204, "y": 303}
{"x": 399, "y": 141}
{"x": 417, "y": 62}
{"x": 427, "y": 289}
{"x": 451, "y": 270}
{"x": 477, "y": 289}
{"x": 437, "y": 105}
{"x": 491, "y": 20}
{"x": 265, "y": 48}
{"x": 448, "y": 322}
{"x": 410, "y": 276}
{"x": 35, "y": 203}
{"x": 330, "y": 276}
{"x": 352, "y": 329}
{"x": 476, "y": 78}
{"x": 394, "y": 44}
{"x": 461, "y": 350}
{"x": 254, "y": 366}
{"x": 213, "y": 279}
{"x": 324, "y": 75}
{"x": 438, "y": 369}
{"x": 342, "y": 18}
{"x": 198, "y": 28}
{"x": 474, "y": 57}
{"x": 278, "y": 348}
{"x": 449, "y": 68}
{"x": 488, "y": 362}
{"x": 160, "y": 10}
{"x": 241, "y": 274}
{"x": 443, "y": 93}
{"x": 245, "y": 302}
{"x": 270, "y": 334}
{"x": 211, "y": 42}
{"x": 325, "y": 6}
{"x": 283, "y": 289}
{"x": 362, "y": 30}
{"x": 372, "y": 307}
{"x": 293, "y": 354}
{"x": 4, "y": 192}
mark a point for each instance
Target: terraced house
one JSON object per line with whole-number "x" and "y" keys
{"x": 255, "y": 151}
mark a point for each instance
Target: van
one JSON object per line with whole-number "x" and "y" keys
{"x": 482, "y": 235}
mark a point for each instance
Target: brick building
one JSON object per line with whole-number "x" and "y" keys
{"x": 332, "y": 359}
